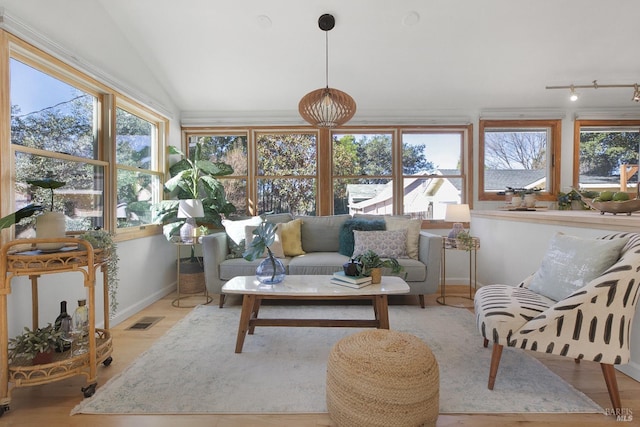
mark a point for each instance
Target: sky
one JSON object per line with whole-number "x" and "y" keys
{"x": 33, "y": 90}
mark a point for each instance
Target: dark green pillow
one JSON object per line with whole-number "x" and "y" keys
{"x": 346, "y": 232}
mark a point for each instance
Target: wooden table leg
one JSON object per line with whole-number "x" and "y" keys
{"x": 248, "y": 302}
{"x": 254, "y": 313}
{"x": 382, "y": 312}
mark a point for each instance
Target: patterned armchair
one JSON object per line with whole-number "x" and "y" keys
{"x": 592, "y": 323}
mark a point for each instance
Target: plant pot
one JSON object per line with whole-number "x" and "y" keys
{"x": 191, "y": 276}
{"x": 376, "y": 275}
{"x": 530, "y": 200}
{"x": 43, "y": 358}
{"x": 50, "y": 225}
{"x": 270, "y": 271}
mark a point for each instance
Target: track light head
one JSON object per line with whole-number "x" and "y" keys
{"x": 636, "y": 93}
{"x": 573, "y": 96}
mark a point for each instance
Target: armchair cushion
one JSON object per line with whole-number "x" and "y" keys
{"x": 572, "y": 262}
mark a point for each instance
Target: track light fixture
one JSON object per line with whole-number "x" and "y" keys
{"x": 573, "y": 95}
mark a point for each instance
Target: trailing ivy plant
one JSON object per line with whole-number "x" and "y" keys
{"x": 102, "y": 239}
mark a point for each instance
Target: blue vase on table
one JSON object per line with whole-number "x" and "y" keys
{"x": 270, "y": 271}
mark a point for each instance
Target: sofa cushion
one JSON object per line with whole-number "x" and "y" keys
{"x": 572, "y": 262}
{"x": 346, "y": 232}
{"x": 278, "y": 218}
{"x": 387, "y": 244}
{"x": 321, "y": 233}
{"x": 412, "y": 226}
{"x": 236, "y": 234}
{"x": 291, "y": 237}
{"x": 317, "y": 263}
{"x": 275, "y": 247}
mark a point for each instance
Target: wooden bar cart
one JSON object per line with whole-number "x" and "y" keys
{"x": 22, "y": 258}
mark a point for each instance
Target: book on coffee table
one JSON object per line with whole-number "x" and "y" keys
{"x": 337, "y": 281}
{"x": 351, "y": 279}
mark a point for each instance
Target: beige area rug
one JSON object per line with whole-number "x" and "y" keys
{"x": 193, "y": 369}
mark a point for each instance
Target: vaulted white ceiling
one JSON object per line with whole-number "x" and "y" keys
{"x": 411, "y": 58}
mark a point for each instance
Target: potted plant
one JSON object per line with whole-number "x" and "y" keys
{"x": 370, "y": 264}
{"x": 49, "y": 224}
{"x": 465, "y": 241}
{"x": 36, "y": 346}
{"x": 102, "y": 239}
{"x": 271, "y": 270}
{"x": 193, "y": 179}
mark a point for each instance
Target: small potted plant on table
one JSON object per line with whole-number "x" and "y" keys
{"x": 371, "y": 265}
{"x": 36, "y": 346}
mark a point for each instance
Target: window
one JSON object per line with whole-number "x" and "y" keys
{"x": 362, "y": 173}
{"x": 286, "y": 173}
{"x": 369, "y": 169}
{"x": 519, "y": 154}
{"x": 60, "y": 129}
{"x": 54, "y": 135}
{"x": 138, "y": 172}
{"x": 606, "y": 155}
{"x": 433, "y": 172}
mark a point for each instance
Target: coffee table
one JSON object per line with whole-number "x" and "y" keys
{"x": 309, "y": 288}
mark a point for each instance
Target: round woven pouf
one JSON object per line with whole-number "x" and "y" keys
{"x": 382, "y": 378}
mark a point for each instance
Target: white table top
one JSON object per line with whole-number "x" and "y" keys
{"x": 315, "y": 285}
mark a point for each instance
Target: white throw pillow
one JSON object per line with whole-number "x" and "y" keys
{"x": 387, "y": 244}
{"x": 276, "y": 247}
{"x": 412, "y": 226}
{"x": 235, "y": 234}
{"x": 572, "y": 262}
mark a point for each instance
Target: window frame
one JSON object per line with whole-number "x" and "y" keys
{"x": 324, "y": 200}
{"x": 577, "y": 127}
{"x": 553, "y": 174}
{"x": 107, "y": 99}
{"x": 156, "y": 169}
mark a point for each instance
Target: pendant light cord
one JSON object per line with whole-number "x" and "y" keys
{"x": 326, "y": 56}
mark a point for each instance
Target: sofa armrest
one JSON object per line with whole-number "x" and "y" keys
{"x": 430, "y": 253}
{"x": 214, "y": 252}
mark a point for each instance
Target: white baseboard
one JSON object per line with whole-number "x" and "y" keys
{"x": 129, "y": 311}
{"x": 632, "y": 369}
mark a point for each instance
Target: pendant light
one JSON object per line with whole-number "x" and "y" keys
{"x": 327, "y": 107}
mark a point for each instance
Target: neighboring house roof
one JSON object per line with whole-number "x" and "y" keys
{"x": 359, "y": 192}
{"x": 499, "y": 179}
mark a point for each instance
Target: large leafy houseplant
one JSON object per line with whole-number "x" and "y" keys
{"x": 193, "y": 179}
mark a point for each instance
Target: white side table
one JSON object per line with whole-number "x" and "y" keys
{"x": 181, "y": 298}
{"x": 450, "y": 245}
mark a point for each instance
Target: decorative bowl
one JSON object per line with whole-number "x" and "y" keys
{"x": 626, "y": 207}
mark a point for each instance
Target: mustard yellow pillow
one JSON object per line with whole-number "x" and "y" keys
{"x": 291, "y": 237}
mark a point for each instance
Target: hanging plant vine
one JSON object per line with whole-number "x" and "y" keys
{"x": 102, "y": 239}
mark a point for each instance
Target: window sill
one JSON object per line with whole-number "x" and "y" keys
{"x": 584, "y": 219}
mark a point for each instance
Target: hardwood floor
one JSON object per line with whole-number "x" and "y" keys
{"x": 50, "y": 404}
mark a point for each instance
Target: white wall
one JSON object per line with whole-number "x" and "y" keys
{"x": 512, "y": 250}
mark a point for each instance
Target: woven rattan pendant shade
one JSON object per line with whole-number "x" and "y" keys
{"x": 327, "y": 107}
